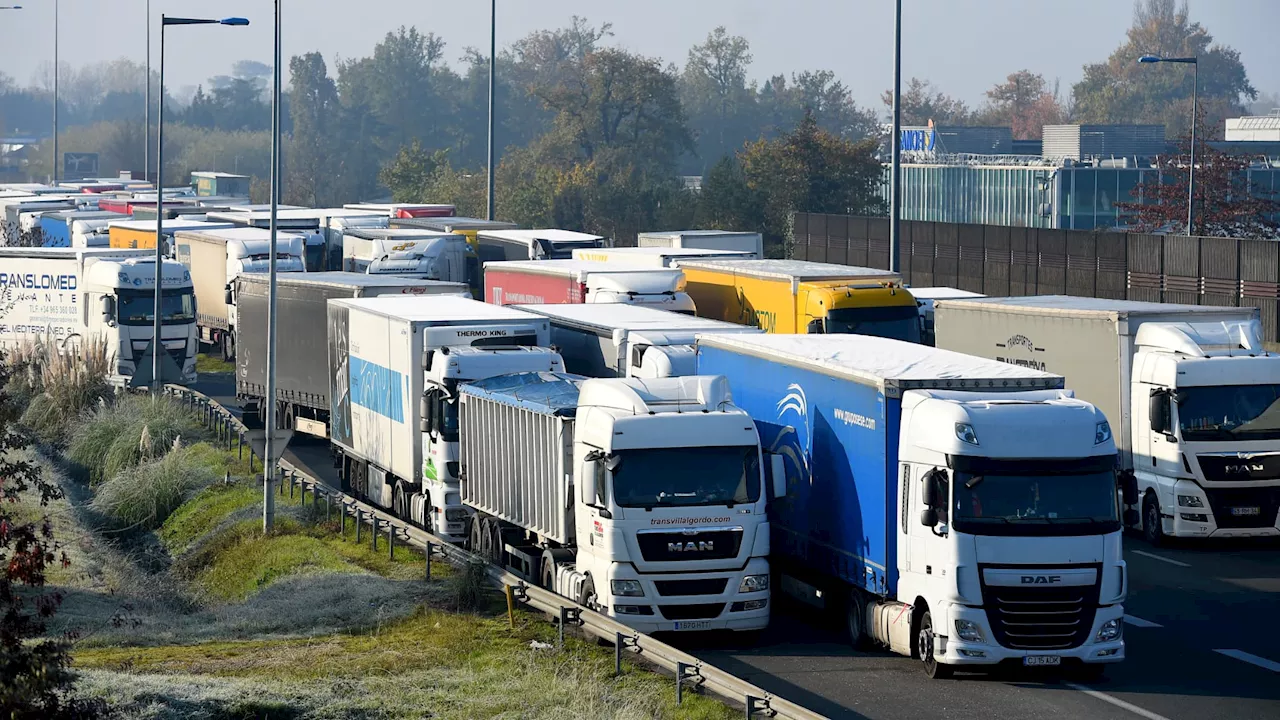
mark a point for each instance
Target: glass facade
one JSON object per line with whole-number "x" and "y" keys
{"x": 1069, "y": 198}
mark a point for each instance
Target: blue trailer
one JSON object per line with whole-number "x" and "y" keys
{"x": 923, "y": 485}
{"x": 57, "y": 224}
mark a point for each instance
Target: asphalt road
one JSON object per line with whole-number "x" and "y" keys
{"x": 1203, "y": 641}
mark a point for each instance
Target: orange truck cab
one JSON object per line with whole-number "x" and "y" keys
{"x": 801, "y": 297}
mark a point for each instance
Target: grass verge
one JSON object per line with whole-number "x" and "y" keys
{"x": 211, "y": 364}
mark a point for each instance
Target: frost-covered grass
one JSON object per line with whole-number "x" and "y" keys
{"x": 433, "y": 664}
{"x": 134, "y": 428}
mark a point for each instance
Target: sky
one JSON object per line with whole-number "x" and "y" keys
{"x": 963, "y": 46}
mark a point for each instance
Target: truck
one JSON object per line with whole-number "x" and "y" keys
{"x": 705, "y": 240}
{"x": 925, "y": 299}
{"x": 797, "y": 296}
{"x": 60, "y": 226}
{"x": 142, "y": 233}
{"x": 1192, "y": 391}
{"x": 305, "y": 226}
{"x": 957, "y": 510}
{"x": 215, "y": 258}
{"x": 69, "y": 296}
{"x": 302, "y": 361}
{"x": 332, "y": 224}
{"x": 651, "y": 510}
{"x": 543, "y": 282}
{"x": 658, "y": 257}
{"x": 405, "y": 210}
{"x": 605, "y": 341}
{"x": 395, "y": 366}
{"x": 408, "y": 253}
{"x": 547, "y": 244}
{"x": 470, "y": 227}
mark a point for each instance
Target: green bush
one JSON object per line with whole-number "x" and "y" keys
{"x": 133, "y": 429}
{"x": 144, "y": 496}
{"x": 63, "y": 386}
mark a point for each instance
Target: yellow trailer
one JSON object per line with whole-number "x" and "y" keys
{"x": 142, "y": 233}
{"x": 800, "y": 297}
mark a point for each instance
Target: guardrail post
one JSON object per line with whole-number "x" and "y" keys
{"x": 567, "y": 615}
{"x": 430, "y": 549}
{"x": 315, "y": 499}
{"x": 680, "y": 671}
{"x": 758, "y": 705}
{"x": 391, "y": 541}
{"x": 373, "y": 530}
{"x": 290, "y": 486}
{"x": 328, "y": 507}
{"x": 240, "y": 446}
{"x": 357, "y": 524}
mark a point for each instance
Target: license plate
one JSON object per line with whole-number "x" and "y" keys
{"x": 1041, "y": 660}
{"x": 693, "y": 625}
{"x": 1246, "y": 511}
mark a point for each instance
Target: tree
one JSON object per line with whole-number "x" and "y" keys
{"x": 1226, "y": 203}
{"x": 811, "y": 170}
{"x": 715, "y": 93}
{"x": 316, "y": 151}
{"x": 1121, "y": 90}
{"x": 409, "y": 174}
{"x": 1024, "y": 103}
{"x": 922, "y": 102}
{"x": 727, "y": 201}
{"x": 35, "y": 674}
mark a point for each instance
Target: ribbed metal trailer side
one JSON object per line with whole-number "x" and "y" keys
{"x": 517, "y": 466}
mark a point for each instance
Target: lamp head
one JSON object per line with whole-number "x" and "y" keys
{"x": 234, "y": 21}
{"x": 1150, "y": 59}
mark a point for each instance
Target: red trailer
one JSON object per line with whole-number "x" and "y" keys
{"x": 426, "y": 211}
{"x": 120, "y": 205}
{"x": 558, "y": 282}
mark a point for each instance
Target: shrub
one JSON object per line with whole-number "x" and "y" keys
{"x": 468, "y": 589}
{"x": 144, "y": 496}
{"x": 136, "y": 428}
{"x": 68, "y": 384}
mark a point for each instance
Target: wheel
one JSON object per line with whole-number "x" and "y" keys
{"x": 587, "y": 596}
{"x": 855, "y": 618}
{"x": 547, "y": 576}
{"x": 227, "y": 344}
{"x": 474, "y": 536}
{"x": 399, "y": 502}
{"x": 1152, "y": 528}
{"x": 497, "y": 553}
{"x": 932, "y": 668}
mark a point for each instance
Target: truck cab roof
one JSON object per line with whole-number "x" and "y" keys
{"x": 609, "y": 317}
{"x": 437, "y": 309}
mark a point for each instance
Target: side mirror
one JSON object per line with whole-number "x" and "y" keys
{"x": 1129, "y": 487}
{"x": 929, "y": 493}
{"x": 929, "y": 517}
{"x": 590, "y": 492}
{"x": 1161, "y": 420}
{"x": 108, "y": 309}
{"x": 777, "y": 476}
{"x": 227, "y": 295}
{"x": 428, "y": 412}
{"x": 1131, "y": 518}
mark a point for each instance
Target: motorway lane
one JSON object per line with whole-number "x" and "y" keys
{"x": 1190, "y": 600}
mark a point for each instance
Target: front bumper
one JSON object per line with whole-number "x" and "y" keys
{"x": 1202, "y": 520}
{"x": 954, "y": 651}
{"x": 680, "y": 613}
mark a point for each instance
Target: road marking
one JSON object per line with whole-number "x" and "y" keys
{"x": 1141, "y": 712}
{"x": 1261, "y": 662}
{"x": 1153, "y": 556}
{"x": 1139, "y": 622}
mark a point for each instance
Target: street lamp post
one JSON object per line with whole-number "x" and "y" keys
{"x": 157, "y": 347}
{"x": 1194, "y": 62}
{"x": 146, "y": 137}
{"x": 493, "y": 46}
{"x": 269, "y": 448}
{"x": 55, "y": 92}
{"x": 895, "y": 141}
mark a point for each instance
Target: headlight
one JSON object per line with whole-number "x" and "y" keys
{"x": 455, "y": 514}
{"x": 1109, "y": 631}
{"x": 969, "y": 631}
{"x": 626, "y": 588}
{"x": 1101, "y": 433}
{"x": 1190, "y": 501}
{"x": 754, "y": 583}
{"x": 966, "y": 434}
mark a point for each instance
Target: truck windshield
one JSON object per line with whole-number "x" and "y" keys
{"x": 686, "y": 476}
{"x": 1229, "y": 412}
{"x": 137, "y": 307}
{"x": 897, "y": 323}
{"x": 1036, "y": 498}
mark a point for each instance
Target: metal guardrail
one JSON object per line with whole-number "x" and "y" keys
{"x": 688, "y": 670}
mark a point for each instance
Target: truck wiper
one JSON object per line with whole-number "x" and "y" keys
{"x": 984, "y": 518}
{"x": 974, "y": 481}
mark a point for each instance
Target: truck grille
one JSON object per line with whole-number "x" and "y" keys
{"x": 676, "y": 546}
{"x": 1238, "y": 508}
{"x": 703, "y": 611}
{"x": 1232, "y": 468}
{"x": 1041, "y": 618}
{"x": 709, "y": 586}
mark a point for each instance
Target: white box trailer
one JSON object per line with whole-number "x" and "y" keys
{"x": 380, "y": 354}
{"x": 603, "y": 341}
{"x": 659, "y": 257}
{"x": 1189, "y": 388}
{"x": 705, "y": 239}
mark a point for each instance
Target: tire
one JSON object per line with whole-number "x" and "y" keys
{"x": 399, "y": 503}
{"x": 485, "y": 539}
{"x": 474, "y": 536}
{"x": 1152, "y": 528}
{"x": 933, "y": 669}
{"x": 587, "y": 595}
{"x": 227, "y": 345}
{"x": 855, "y": 619}
{"x": 546, "y": 576}
{"x": 497, "y": 554}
